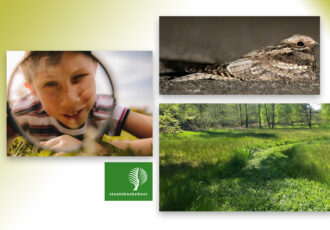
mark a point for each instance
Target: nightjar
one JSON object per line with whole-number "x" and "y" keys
{"x": 291, "y": 58}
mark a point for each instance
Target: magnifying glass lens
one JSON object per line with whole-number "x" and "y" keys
{"x": 61, "y": 100}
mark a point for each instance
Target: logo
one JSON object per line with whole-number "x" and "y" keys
{"x": 128, "y": 181}
{"x": 137, "y": 177}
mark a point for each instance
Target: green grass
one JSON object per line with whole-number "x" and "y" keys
{"x": 246, "y": 170}
{"x": 21, "y": 147}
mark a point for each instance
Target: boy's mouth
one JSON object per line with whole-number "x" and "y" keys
{"x": 74, "y": 115}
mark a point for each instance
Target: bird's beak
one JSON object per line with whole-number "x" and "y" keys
{"x": 316, "y": 44}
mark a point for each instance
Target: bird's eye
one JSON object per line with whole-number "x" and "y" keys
{"x": 300, "y": 44}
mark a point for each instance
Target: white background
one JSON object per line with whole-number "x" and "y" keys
{"x": 64, "y": 193}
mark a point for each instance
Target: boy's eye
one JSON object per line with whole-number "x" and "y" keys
{"x": 50, "y": 84}
{"x": 77, "y": 78}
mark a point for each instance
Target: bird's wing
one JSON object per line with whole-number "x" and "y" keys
{"x": 249, "y": 69}
{"x": 263, "y": 69}
{"x": 204, "y": 76}
{"x": 240, "y": 67}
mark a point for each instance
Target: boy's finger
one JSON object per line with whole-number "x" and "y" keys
{"x": 60, "y": 154}
{"x": 50, "y": 143}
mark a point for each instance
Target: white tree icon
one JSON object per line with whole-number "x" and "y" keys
{"x": 137, "y": 177}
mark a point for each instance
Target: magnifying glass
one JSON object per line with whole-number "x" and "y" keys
{"x": 60, "y": 100}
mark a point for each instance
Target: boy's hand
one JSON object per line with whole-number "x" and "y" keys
{"x": 141, "y": 147}
{"x": 62, "y": 143}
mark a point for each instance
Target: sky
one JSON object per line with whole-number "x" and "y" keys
{"x": 132, "y": 76}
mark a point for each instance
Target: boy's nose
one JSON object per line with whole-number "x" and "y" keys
{"x": 70, "y": 98}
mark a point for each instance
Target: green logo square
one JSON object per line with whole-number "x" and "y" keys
{"x": 128, "y": 180}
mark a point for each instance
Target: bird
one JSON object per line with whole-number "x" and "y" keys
{"x": 291, "y": 58}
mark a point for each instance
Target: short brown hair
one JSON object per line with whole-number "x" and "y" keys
{"x": 32, "y": 60}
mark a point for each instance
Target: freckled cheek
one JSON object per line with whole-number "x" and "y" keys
{"x": 50, "y": 103}
{"x": 88, "y": 93}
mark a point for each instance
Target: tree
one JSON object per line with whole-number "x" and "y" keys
{"x": 284, "y": 114}
{"x": 176, "y": 117}
{"x": 307, "y": 109}
{"x": 259, "y": 116}
{"x": 267, "y": 116}
{"x": 240, "y": 115}
{"x": 303, "y": 113}
{"x": 325, "y": 113}
{"x": 246, "y": 116}
{"x": 273, "y": 115}
{"x": 168, "y": 123}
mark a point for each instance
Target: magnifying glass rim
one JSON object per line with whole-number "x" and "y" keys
{"x": 21, "y": 131}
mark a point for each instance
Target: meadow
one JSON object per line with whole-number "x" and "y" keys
{"x": 245, "y": 170}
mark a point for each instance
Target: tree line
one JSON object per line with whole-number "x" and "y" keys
{"x": 176, "y": 117}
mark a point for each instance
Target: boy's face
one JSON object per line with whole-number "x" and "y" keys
{"x": 67, "y": 89}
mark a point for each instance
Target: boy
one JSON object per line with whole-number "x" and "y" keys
{"x": 63, "y": 103}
